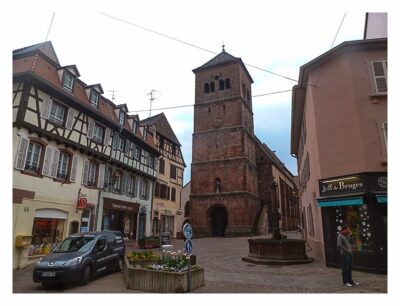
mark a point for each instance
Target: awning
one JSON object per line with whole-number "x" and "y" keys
{"x": 340, "y": 202}
{"x": 382, "y": 199}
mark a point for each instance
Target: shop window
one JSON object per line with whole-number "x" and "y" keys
{"x": 358, "y": 220}
{"x": 47, "y": 231}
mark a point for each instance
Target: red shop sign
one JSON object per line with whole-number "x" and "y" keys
{"x": 82, "y": 203}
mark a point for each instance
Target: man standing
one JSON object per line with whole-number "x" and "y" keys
{"x": 346, "y": 257}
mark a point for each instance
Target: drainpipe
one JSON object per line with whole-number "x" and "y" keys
{"x": 97, "y": 210}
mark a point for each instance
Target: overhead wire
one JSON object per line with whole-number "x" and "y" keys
{"x": 189, "y": 44}
{"x": 189, "y": 105}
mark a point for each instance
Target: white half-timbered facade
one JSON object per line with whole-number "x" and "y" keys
{"x": 80, "y": 162}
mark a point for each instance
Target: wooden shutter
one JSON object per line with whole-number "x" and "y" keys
{"x": 127, "y": 146}
{"x": 54, "y": 162}
{"x": 48, "y": 158}
{"x": 21, "y": 153}
{"x": 90, "y": 128}
{"x": 74, "y": 166}
{"x": 107, "y": 134}
{"x": 100, "y": 180}
{"x": 379, "y": 70}
{"x": 46, "y": 107}
{"x": 70, "y": 118}
{"x": 124, "y": 188}
{"x": 85, "y": 172}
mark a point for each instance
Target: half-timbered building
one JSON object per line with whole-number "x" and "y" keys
{"x": 167, "y": 188}
{"x": 80, "y": 162}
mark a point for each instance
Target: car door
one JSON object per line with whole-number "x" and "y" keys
{"x": 100, "y": 255}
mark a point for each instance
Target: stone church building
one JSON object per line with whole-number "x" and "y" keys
{"x": 230, "y": 165}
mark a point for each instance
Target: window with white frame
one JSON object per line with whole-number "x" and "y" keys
{"x": 57, "y": 113}
{"x": 33, "y": 157}
{"x": 68, "y": 80}
{"x": 143, "y": 189}
{"x": 116, "y": 180}
{"x": 62, "y": 168}
{"x": 132, "y": 186}
{"x": 379, "y": 69}
{"x": 121, "y": 117}
{"x": 98, "y": 133}
{"x": 91, "y": 174}
{"x": 136, "y": 153}
{"x": 94, "y": 98}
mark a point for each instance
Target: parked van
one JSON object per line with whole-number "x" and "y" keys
{"x": 81, "y": 256}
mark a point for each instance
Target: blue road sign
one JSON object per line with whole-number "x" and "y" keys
{"x": 187, "y": 231}
{"x": 188, "y": 246}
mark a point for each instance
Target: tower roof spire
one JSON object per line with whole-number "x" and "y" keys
{"x": 223, "y": 46}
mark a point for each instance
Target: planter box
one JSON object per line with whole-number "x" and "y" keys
{"x": 160, "y": 281}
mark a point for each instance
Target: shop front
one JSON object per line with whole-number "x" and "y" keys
{"x": 121, "y": 216}
{"x": 358, "y": 201}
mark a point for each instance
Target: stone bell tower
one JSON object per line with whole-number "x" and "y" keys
{"x": 223, "y": 199}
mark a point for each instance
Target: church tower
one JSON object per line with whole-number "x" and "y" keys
{"x": 223, "y": 199}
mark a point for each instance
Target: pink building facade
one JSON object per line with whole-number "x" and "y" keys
{"x": 339, "y": 135}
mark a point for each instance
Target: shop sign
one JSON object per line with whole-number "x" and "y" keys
{"x": 121, "y": 206}
{"x": 342, "y": 185}
{"x": 82, "y": 203}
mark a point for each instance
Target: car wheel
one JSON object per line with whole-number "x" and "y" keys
{"x": 120, "y": 265}
{"x": 85, "y": 275}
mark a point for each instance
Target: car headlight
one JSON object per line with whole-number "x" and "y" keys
{"x": 73, "y": 261}
{"x": 39, "y": 261}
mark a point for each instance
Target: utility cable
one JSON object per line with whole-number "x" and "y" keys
{"x": 189, "y": 105}
{"x": 189, "y": 44}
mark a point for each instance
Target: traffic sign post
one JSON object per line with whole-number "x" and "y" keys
{"x": 188, "y": 246}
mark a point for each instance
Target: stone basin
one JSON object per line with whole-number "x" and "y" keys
{"x": 267, "y": 251}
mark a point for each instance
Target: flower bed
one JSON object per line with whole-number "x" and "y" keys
{"x": 142, "y": 259}
{"x": 168, "y": 275}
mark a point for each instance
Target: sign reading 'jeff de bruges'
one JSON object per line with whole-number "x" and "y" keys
{"x": 341, "y": 185}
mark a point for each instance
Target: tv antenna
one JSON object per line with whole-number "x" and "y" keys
{"x": 152, "y": 98}
{"x": 113, "y": 94}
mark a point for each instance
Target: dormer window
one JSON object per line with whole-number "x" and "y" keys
{"x": 144, "y": 133}
{"x": 94, "y": 98}
{"x": 121, "y": 117}
{"x": 134, "y": 126}
{"x": 68, "y": 80}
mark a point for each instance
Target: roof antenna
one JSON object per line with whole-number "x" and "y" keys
{"x": 51, "y": 22}
{"x": 113, "y": 94}
{"x": 152, "y": 98}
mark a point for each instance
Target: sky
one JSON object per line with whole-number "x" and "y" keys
{"x": 134, "y": 47}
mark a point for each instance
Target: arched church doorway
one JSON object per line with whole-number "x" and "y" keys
{"x": 219, "y": 221}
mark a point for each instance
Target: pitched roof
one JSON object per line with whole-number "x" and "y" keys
{"x": 45, "y": 47}
{"x": 222, "y": 58}
{"x": 162, "y": 126}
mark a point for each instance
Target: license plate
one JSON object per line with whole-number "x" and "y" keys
{"x": 48, "y": 274}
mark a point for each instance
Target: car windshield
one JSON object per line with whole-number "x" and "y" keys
{"x": 74, "y": 244}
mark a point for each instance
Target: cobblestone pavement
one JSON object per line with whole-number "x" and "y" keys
{"x": 225, "y": 272}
